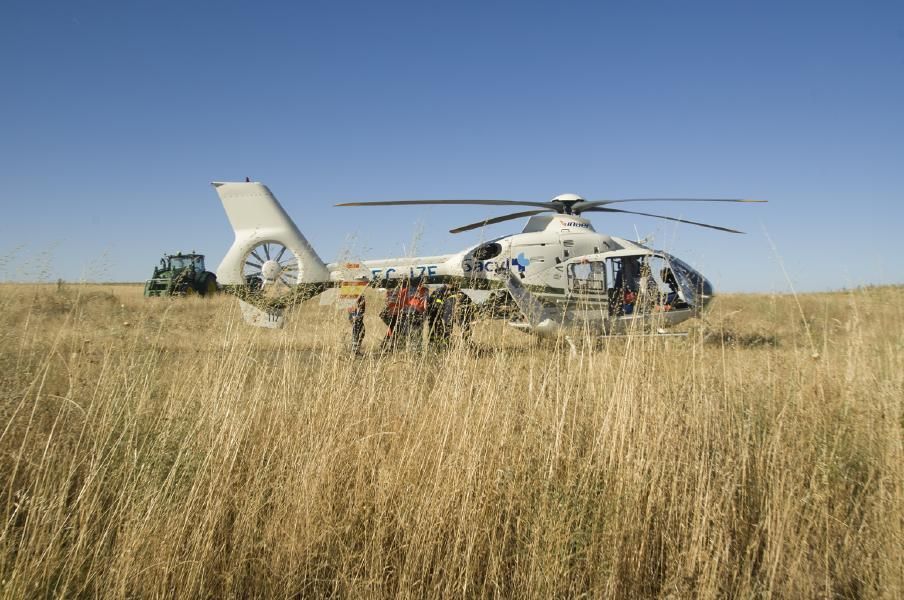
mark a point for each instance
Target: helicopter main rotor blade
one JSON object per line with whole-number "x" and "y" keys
{"x": 586, "y": 205}
{"x": 631, "y": 212}
{"x": 546, "y": 205}
{"x": 494, "y": 220}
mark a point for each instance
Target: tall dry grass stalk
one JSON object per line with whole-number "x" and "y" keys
{"x": 161, "y": 448}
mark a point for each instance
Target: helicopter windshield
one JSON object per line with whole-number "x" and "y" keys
{"x": 697, "y": 290}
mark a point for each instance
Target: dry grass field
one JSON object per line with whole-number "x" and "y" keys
{"x": 162, "y": 448}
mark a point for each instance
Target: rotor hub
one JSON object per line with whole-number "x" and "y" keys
{"x": 271, "y": 270}
{"x": 566, "y": 201}
{"x": 569, "y": 198}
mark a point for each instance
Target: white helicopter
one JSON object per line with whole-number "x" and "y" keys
{"x": 555, "y": 276}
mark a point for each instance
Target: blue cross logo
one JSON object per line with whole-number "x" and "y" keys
{"x": 521, "y": 262}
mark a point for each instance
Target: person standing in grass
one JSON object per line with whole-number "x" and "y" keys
{"x": 392, "y": 313}
{"x": 414, "y": 312}
{"x": 356, "y": 317}
{"x": 440, "y": 308}
{"x": 463, "y": 311}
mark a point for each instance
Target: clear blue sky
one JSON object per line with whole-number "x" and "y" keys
{"x": 114, "y": 116}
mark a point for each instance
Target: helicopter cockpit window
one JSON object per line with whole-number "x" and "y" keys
{"x": 670, "y": 296}
{"x": 487, "y": 251}
{"x": 587, "y": 278}
{"x": 634, "y": 288}
{"x": 695, "y": 288}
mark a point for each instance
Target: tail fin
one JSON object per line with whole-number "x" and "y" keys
{"x": 257, "y": 217}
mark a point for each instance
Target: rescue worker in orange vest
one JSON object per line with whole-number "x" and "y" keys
{"x": 395, "y": 300}
{"x": 413, "y": 314}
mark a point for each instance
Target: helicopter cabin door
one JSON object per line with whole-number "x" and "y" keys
{"x": 587, "y": 281}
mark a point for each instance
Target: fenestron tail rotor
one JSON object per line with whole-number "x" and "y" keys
{"x": 565, "y": 204}
{"x": 272, "y": 267}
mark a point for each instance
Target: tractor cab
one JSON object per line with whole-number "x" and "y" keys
{"x": 178, "y": 262}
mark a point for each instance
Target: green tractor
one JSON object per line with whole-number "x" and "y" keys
{"x": 180, "y": 275}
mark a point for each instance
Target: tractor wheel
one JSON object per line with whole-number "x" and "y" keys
{"x": 209, "y": 285}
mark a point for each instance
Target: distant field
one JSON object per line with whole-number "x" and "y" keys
{"x": 161, "y": 448}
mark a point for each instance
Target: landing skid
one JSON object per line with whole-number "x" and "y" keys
{"x": 573, "y": 350}
{"x": 645, "y": 335}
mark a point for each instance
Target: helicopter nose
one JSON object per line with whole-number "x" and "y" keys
{"x": 703, "y": 295}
